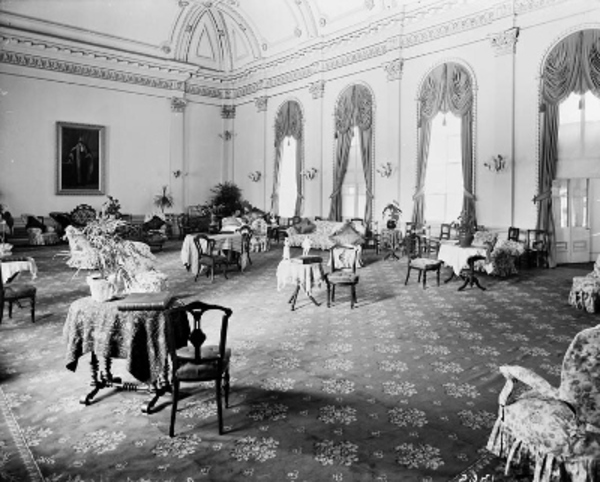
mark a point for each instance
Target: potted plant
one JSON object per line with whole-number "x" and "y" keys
{"x": 391, "y": 213}
{"x": 164, "y": 200}
{"x": 116, "y": 260}
{"x": 112, "y": 207}
{"x": 465, "y": 225}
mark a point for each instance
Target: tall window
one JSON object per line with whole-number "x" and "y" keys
{"x": 443, "y": 178}
{"x": 354, "y": 187}
{"x": 288, "y": 187}
{"x": 579, "y": 128}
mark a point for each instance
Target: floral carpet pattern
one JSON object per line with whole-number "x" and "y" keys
{"x": 402, "y": 388}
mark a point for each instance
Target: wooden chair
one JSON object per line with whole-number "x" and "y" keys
{"x": 536, "y": 249}
{"x": 513, "y": 233}
{"x": 445, "y": 229}
{"x": 14, "y": 292}
{"x": 199, "y": 361}
{"x": 244, "y": 257}
{"x": 342, "y": 262}
{"x": 207, "y": 257}
{"x": 423, "y": 265}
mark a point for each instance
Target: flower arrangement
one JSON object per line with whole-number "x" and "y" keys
{"x": 465, "y": 225}
{"x": 111, "y": 207}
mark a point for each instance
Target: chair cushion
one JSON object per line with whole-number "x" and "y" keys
{"x": 305, "y": 226}
{"x": 425, "y": 263}
{"x": 339, "y": 277}
{"x": 154, "y": 223}
{"x": 18, "y": 290}
{"x": 346, "y": 236}
{"x": 230, "y": 224}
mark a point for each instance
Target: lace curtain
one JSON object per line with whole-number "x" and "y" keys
{"x": 354, "y": 108}
{"x": 448, "y": 88}
{"x": 288, "y": 123}
{"x": 573, "y": 66}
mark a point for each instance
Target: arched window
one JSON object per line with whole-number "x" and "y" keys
{"x": 446, "y": 96}
{"x": 353, "y": 132}
{"x": 286, "y": 199}
{"x": 569, "y": 137}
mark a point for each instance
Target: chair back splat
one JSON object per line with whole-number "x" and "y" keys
{"x": 15, "y": 292}
{"x": 199, "y": 361}
{"x": 342, "y": 262}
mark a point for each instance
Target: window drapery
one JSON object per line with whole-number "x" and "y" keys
{"x": 448, "y": 88}
{"x": 354, "y": 108}
{"x": 573, "y": 66}
{"x": 288, "y": 123}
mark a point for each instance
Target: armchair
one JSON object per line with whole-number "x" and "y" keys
{"x": 555, "y": 430}
{"x": 585, "y": 291}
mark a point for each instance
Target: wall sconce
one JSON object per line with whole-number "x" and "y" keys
{"x": 227, "y": 135}
{"x": 177, "y": 173}
{"x": 497, "y": 164}
{"x": 309, "y": 173}
{"x": 385, "y": 170}
{"x": 254, "y": 176}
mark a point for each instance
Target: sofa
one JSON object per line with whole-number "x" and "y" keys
{"x": 503, "y": 254}
{"x": 325, "y": 234}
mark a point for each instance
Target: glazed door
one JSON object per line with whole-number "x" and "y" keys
{"x": 570, "y": 205}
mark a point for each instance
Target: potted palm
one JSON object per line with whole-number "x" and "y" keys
{"x": 117, "y": 261}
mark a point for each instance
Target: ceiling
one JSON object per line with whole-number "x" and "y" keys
{"x": 213, "y": 35}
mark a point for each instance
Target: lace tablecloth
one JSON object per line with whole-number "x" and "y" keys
{"x": 140, "y": 337}
{"x": 307, "y": 276}
{"x": 456, "y": 256}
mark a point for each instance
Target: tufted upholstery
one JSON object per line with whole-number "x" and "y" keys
{"x": 585, "y": 291}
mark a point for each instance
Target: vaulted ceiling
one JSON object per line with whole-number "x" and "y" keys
{"x": 221, "y": 36}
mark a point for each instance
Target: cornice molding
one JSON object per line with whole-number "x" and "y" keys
{"x": 37, "y": 51}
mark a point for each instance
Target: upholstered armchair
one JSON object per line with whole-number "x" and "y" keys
{"x": 585, "y": 292}
{"x": 553, "y": 431}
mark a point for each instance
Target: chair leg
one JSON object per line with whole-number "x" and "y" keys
{"x": 333, "y": 293}
{"x": 407, "y": 276}
{"x": 33, "y": 309}
{"x": 1, "y": 310}
{"x": 438, "y": 275}
{"x": 219, "y": 405}
{"x": 10, "y": 306}
{"x": 226, "y": 386}
{"x": 353, "y": 296}
{"x": 424, "y": 278}
{"x": 420, "y": 275}
{"x": 174, "y": 407}
{"x": 328, "y": 295}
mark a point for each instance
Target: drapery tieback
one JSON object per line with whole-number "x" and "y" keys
{"x": 542, "y": 196}
{"x": 420, "y": 193}
{"x": 335, "y": 193}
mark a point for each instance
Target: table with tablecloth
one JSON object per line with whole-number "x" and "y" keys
{"x": 303, "y": 277}
{"x": 223, "y": 242}
{"x": 141, "y": 337}
{"x": 12, "y": 265}
{"x": 456, "y": 256}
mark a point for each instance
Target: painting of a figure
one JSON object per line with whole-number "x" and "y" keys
{"x": 80, "y": 159}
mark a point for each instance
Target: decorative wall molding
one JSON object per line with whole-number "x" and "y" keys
{"x": 261, "y": 103}
{"x": 317, "y": 89}
{"x": 393, "y": 69}
{"x": 228, "y": 111}
{"x": 26, "y": 50}
{"x": 505, "y": 42}
{"x": 178, "y": 104}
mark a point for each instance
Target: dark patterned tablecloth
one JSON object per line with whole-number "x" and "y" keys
{"x": 140, "y": 337}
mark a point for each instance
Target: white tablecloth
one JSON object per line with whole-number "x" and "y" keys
{"x": 307, "y": 276}
{"x": 456, "y": 256}
{"x": 11, "y": 267}
{"x": 189, "y": 253}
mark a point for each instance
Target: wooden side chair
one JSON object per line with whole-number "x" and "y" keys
{"x": 15, "y": 292}
{"x": 206, "y": 357}
{"x": 207, "y": 257}
{"x": 513, "y": 233}
{"x": 342, "y": 262}
{"x": 423, "y": 265}
{"x": 536, "y": 249}
{"x": 244, "y": 258}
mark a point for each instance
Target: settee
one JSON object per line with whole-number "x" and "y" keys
{"x": 503, "y": 254}
{"x": 325, "y": 234}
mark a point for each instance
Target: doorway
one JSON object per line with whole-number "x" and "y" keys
{"x": 571, "y": 210}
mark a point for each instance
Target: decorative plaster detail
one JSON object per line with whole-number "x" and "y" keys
{"x": 183, "y": 3}
{"x": 505, "y": 42}
{"x": 25, "y": 60}
{"x": 370, "y": 4}
{"x": 524, "y": 6}
{"x": 178, "y": 104}
{"x": 166, "y": 48}
{"x": 228, "y": 111}
{"x": 317, "y": 89}
{"x": 204, "y": 91}
{"x": 264, "y": 46}
{"x": 298, "y": 32}
{"x": 322, "y": 22}
{"x": 393, "y": 69}
{"x": 261, "y": 103}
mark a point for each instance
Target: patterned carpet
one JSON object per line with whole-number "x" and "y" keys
{"x": 402, "y": 388}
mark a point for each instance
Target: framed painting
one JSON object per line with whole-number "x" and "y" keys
{"x": 80, "y": 163}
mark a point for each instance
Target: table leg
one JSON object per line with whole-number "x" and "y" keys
{"x": 313, "y": 300}
{"x": 450, "y": 278}
{"x": 294, "y": 297}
